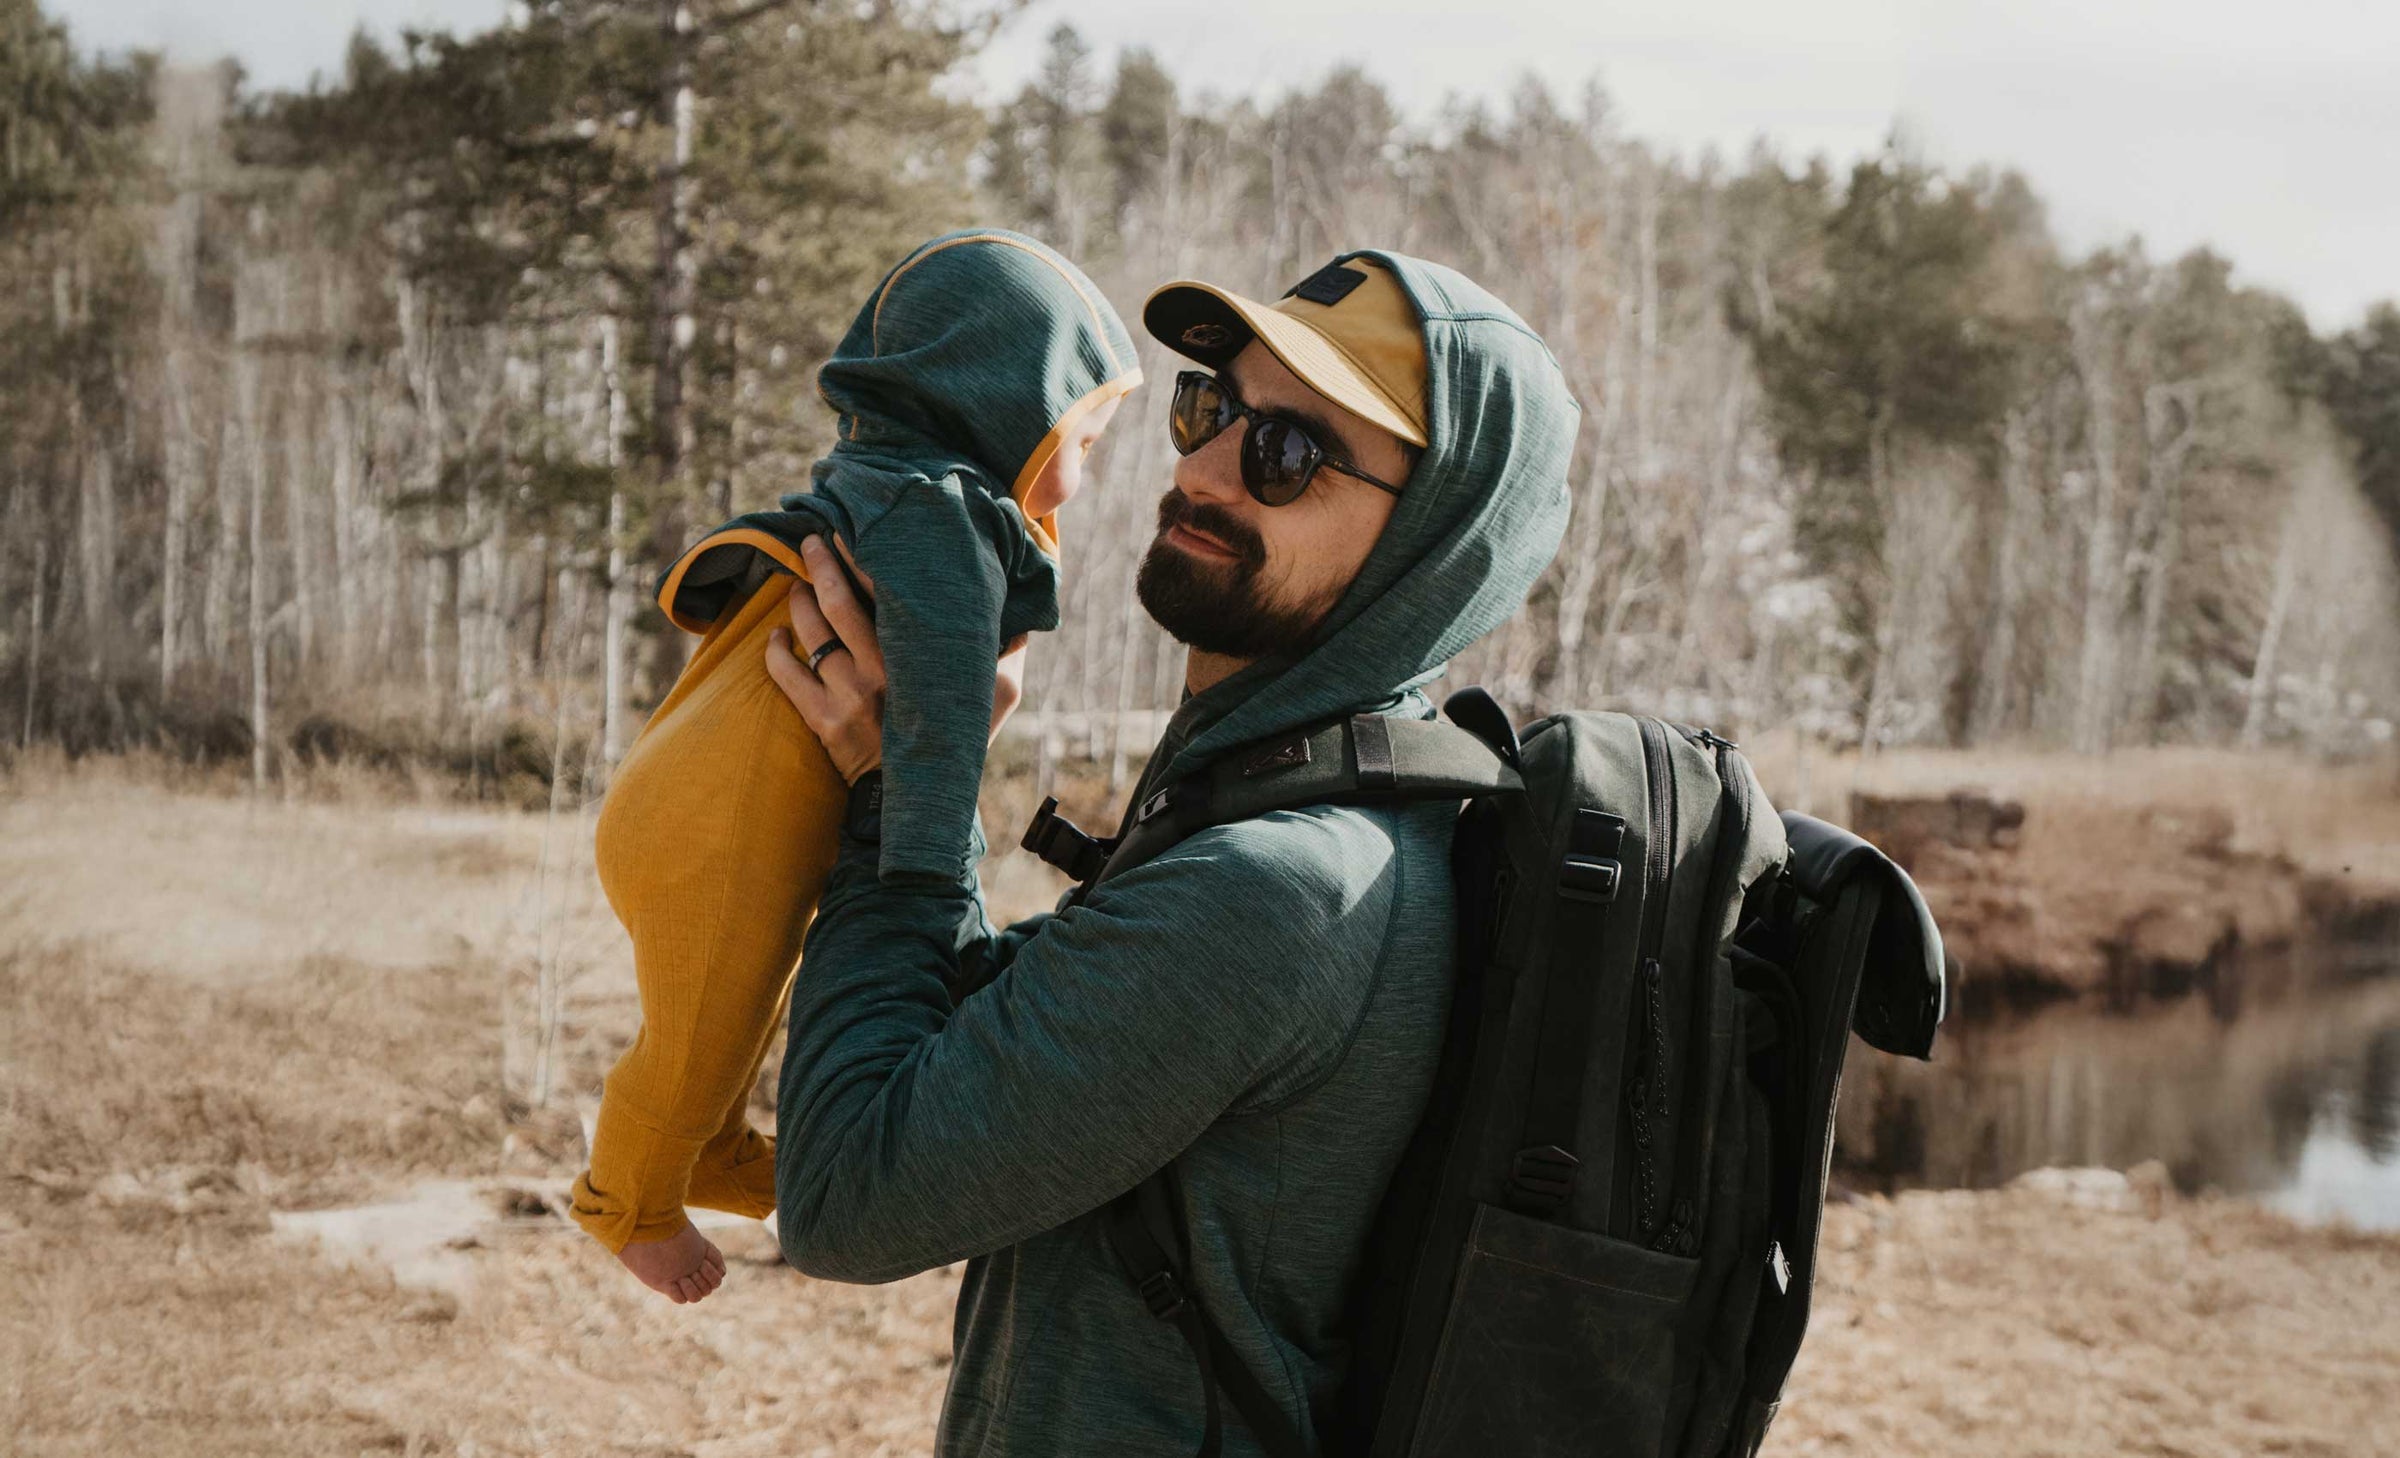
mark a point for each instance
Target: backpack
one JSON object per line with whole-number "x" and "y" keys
{"x": 1602, "y": 1237}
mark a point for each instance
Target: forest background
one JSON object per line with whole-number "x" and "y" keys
{"x": 356, "y": 422}
{"x": 347, "y": 427}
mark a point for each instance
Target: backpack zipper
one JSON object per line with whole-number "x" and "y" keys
{"x": 1681, "y": 1236}
{"x": 1644, "y": 1100}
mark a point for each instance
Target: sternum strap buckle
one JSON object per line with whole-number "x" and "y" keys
{"x": 1059, "y": 843}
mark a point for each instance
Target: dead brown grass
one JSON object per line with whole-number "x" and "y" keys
{"x": 212, "y": 1010}
{"x": 2007, "y": 1323}
{"x": 299, "y": 1090}
{"x": 2338, "y": 819}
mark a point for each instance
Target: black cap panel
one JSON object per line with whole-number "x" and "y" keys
{"x": 1198, "y": 325}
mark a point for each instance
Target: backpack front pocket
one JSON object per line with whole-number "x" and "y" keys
{"x": 1558, "y": 1341}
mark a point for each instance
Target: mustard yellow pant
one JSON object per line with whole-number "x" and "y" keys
{"x": 714, "y": 843}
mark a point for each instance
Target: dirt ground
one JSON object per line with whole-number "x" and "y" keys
{"x": 231, "y": 1035}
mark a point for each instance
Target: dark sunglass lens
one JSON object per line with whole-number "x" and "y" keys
{"x": 1277, "y": 460}
{"x": 1198, "y": 413}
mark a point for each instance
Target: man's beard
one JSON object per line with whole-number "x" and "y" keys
{"x": 1217, "y": 606}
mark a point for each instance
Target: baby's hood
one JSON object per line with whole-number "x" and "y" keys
{"x": 981, "y": 348}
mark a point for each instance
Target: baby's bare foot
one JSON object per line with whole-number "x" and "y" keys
{"x": 683, "y": 1267}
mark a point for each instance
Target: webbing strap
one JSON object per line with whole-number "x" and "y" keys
{"x": 1136, "y": 1222}
{"x": 1371, "y": 736}
{"x": 1364, "y": 757}
{"x": 1546, "y": 1167}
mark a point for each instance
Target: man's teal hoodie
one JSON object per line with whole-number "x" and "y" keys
{"x": 1263, "y": 1003}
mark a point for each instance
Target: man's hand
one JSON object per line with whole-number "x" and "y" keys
{"x": 841, "y": 699}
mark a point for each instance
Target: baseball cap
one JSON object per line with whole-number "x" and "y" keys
{"x": 1349, "y": 331}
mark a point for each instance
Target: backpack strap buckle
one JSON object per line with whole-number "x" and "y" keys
{"x": 1163, "y": 1294}
{"x": 1542, "y": 1177}
{"x": 1591, "y": 870}
{"x": 1058, "y": 842}
{"x": 1589, "y": 878}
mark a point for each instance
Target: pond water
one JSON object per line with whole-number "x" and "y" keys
{"x": 2296, "y": 1102}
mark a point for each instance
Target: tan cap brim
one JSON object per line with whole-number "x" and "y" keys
{"x": 1211, "y": 325}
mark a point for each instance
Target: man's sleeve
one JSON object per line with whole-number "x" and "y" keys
{"x": 915, "y": 1131}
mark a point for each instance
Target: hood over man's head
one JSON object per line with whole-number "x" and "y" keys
{"x": 1467, "y": 405}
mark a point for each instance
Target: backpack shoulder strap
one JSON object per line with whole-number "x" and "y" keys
{"x": 1356, "y": 760}
{"x": 1141, "y": 1227}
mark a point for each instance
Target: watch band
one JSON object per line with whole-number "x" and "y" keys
{"x": 863, "y": 818}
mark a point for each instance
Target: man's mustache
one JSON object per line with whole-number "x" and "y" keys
{"x": 1176, "y": 509}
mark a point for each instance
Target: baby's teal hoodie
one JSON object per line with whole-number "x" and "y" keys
{"x": 976, "y": 355}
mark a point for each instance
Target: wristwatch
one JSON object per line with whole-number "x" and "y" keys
{"x": 863, "y": 818}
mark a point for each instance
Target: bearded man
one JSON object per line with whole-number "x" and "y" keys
{"x": 1372, "y": 476}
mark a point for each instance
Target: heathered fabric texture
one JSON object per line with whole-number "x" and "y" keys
{"x": 1262, "y": 1004}
{"x": 951, "y": 377}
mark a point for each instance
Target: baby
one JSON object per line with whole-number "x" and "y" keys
{"x": 968, "y": 391}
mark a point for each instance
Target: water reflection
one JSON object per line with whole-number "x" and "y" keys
{"x": 2297, "y": 1100}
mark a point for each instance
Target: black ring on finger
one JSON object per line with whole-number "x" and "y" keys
{"x": 831, "y": 646}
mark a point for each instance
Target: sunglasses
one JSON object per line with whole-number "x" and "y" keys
{"x": 1279, "y": 455}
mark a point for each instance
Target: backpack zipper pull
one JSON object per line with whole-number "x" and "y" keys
{"x": 1679, "y": 1238}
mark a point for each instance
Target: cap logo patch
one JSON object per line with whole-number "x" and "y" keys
{"x": 1329, "y": 285}
{"x": 1208, "y": 336}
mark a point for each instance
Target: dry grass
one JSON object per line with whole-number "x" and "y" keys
{"x": 2336, "y": 819}
{"x": 212, "y": 1011}
{"x": 2008, "y": 1323}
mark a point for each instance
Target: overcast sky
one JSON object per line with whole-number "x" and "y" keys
{"x": 2269, "y": 131}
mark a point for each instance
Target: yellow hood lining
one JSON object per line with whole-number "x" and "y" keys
{"x": 1045, "y": 528}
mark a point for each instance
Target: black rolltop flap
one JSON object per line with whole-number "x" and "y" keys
{"x": 1902, "y": 991}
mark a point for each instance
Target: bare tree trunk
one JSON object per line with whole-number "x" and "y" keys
{"x": 254, "y": 448}
{"x": 2264, "y": 666}
{"x": 216, "y": 607}
{"x": 1588, "y": 525}
{"x": 2159, "y": 538}
{"x": 299, "y": 471}
{"x": 1042, "y": 675}
{"x": 2158, "y": 580}
{"x": 429, "y": 632}
{"x": 181, "y": 446}
{"x": 348, "y": 591}
{"x": 2095, "y": 680}
{"x": 96, "y": 536}
{"x": 1700, "y": 586}
{"x": 1645, "y": 404}
{"x": 33, "y": 637}
{"x": 671, "y": 282}
{"x": 1087, "y": 671}
{"x": 1880, "y": 473}
{"x": 672, "y": 296}
{"x": 1130, "y": 638}
{"x": 620, "y": 586}
{"x": 1993, "y": 677}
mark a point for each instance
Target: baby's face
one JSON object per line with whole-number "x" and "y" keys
{"x": 1063, "y": 477}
